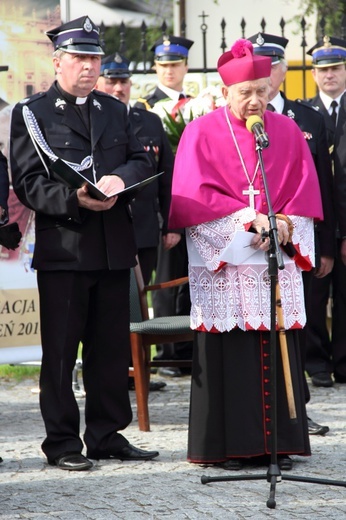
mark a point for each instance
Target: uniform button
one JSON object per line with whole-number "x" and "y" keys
{"x": 67, "y": 143}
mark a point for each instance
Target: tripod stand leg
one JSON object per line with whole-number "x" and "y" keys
{"x": 273, "y": 476}
{"x": 271, "y": 502}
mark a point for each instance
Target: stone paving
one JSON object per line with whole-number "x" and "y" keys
{"x": 167, "y": 487}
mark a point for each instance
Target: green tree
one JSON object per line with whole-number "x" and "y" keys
{"x": 134, "y": 42}
{"x": 333, "y": 12}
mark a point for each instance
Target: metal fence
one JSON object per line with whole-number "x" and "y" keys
{"x": 143, "y": 66}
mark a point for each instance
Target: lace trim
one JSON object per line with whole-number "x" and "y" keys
{"x": 239, "y": 296}
{"x": 218, "y": 234}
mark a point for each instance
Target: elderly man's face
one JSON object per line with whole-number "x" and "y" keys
{"x": 77, "y": 73}
{"x": 248, "y": 98}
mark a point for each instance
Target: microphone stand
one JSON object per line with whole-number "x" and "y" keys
{"x": 275, "y": 262}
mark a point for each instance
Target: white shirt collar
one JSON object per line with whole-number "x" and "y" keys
{"x": 278, "y": 103}
{"x": 172, "y": 94}
{"x": 327, "y": 100}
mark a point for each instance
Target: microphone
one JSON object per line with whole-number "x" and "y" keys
{"x": 255, "y": 125}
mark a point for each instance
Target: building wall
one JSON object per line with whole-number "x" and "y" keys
{"x": 27, "y": 52}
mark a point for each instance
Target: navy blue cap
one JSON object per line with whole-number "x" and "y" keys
{"x": 115, "y": 66}
{"x": 171, "y": 48}
{"x": 328, "y": 52}
{"x": 80, "y": 36}
{"x": 269, "y": 45}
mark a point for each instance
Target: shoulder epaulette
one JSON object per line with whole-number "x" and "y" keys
{"x": 32, "y": 98}
{"x": 306, "y": 103}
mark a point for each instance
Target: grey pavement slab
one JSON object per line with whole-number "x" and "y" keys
{"x": 168, "y": 487}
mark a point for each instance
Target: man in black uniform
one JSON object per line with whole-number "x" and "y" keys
{"x": 327, "y": 355}
{"x": 339, "y": 350}
{"x": 9, "y": 235}
{"x": 170, "y": 62}
{"x": 150, "y": 208}
{"x": 84, "y": 248}
{"x": 312, "y": 125}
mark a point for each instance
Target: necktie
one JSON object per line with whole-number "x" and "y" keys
{"x": 181, "y": 96}
{"x": 270, "y": 107}
{"x": 333, "y": 115}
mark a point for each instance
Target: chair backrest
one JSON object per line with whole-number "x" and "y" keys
{"x": 135, "y": 305}
{"x": 138, "y": 297}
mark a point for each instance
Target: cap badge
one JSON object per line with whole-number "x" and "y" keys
{"x": 260, "y": 40}
{"x": 326, "y": 41}
{"x": 60, "y": 103}
{"x": 118, "y": 58}
{"x": 87, "y": 25}
{"x": 166, "y": 42}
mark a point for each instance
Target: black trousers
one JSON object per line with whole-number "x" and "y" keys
{"x": 147, "y": 257}
{"x": 338, "y": 319}
{"x": 317, "y": 343}
{"x": 92, "y": 308}
{"x": 325, "y": 354}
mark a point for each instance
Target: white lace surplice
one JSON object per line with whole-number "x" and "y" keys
{"x": 240, "y": 295}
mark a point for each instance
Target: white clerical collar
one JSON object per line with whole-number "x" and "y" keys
{"x": 172, "y": 94}
{"x": 327, "y": 100}
{"x": 81, "y": 100}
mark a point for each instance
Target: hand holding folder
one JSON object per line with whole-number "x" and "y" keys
{"x": 75, "y": 179}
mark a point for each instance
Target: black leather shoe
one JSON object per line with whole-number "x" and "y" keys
{"x": 316, "y": 429}
{"x": 72, "y": 462}
{"x": 285, "y": 462}
{"x": 154, "y": 386}
{"x": 128, "y": 452}
{"x": 170, "y": 372}
{"x": 322, "y": 379}
{"x": 230, "y": 465}
{"x": 1, "y": 460}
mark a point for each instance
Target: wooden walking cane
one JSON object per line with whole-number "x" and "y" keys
{"x": 284, "y": 355}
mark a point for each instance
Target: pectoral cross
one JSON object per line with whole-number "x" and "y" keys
{"x": 251, "y": 192}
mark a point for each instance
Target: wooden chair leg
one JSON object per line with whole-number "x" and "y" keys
{"x": 140, "y": 373}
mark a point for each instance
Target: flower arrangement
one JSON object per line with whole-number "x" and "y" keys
{"x": 176, "y": 115}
